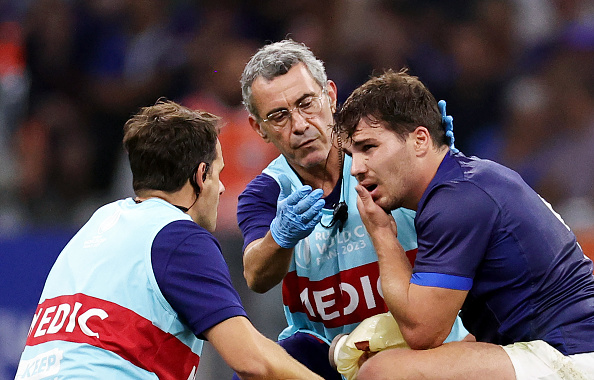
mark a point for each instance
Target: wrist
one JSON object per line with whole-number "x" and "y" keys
{"x": 278, "y": 236}
{"x": 386, "y": 243}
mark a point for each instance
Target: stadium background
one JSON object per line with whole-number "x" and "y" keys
{"x": 518, "y": 77}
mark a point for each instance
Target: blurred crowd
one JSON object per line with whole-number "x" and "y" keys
{"x": 518, "y": 77}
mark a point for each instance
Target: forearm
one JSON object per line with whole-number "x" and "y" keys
{"x": 265, "y": 264}
{"x": 417, "y": 322}
{"x": 253, "y": 356}
{"x": 395, "y": 271}
{"x": 279, "y": 364}
{"x": 425, "y": 314}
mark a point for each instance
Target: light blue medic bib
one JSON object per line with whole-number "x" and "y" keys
{"x": 101, "y": 313}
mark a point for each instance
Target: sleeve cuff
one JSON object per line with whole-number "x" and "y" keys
{"x": 441, "y": 280}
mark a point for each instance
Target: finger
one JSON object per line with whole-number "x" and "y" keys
{"x": 313, "y": 213}
{"x": 315, "y": 220}
{"x": 363, "y": 195}
{"x": 306, "y": 202}
{"x": 285, "y": 187}
{"x": 371, "y": 212}
{"x": 442, "y": 107}
{"x": 299, "y": 195}
{"x": 394, "y": 226}
{"x": 363, "y": 200}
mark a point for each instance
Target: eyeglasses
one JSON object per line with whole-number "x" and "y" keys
{"x": 307, "y": 108}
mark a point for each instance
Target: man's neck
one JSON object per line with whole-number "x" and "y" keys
{"x": 432, "y": 164}
{"x": 326, "y": 175}
{"x": 181, "y": 199}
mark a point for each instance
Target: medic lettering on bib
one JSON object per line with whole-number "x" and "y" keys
{"x": 79, "y": 318}
{"x": 64, "y": 318}
{"x": 345, "y": 298}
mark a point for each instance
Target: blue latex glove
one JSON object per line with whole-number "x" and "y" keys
{"x": 296, "y": 214}
{"x": 448, "y": 123}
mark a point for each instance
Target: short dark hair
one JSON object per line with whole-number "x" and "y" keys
{"x": 400, "y": 100}
{"x": 165, "y": 144}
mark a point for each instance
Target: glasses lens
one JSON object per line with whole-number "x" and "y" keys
{"x": 279, "y": 118}
{"x": 310, "y": 105}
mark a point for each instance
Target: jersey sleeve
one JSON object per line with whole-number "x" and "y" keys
{"x": 193, "y": 276}
{"x": 454, "y": 227}
{"x": 256, "y": 207}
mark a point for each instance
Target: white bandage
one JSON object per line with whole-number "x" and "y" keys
{"x": 374, "y": 334}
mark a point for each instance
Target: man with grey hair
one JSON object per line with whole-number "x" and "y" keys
{"x": 312, "y": 240}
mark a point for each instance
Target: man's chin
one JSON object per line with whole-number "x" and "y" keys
{"x": 386, "y": 206}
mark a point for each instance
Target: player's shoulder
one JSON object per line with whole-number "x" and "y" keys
{"x": 186, "y": 232}
{"x": 260, "y": 182}
{"x": 262, "y": 187}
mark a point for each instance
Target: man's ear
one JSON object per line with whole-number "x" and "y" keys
{"x": 258, "y": 128}
{"x": 422, "y": 139}
{"x": 333, "y": 94}
{"x": 201, "y": 174}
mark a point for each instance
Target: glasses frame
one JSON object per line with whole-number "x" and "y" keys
{"x": 289, "y": 111}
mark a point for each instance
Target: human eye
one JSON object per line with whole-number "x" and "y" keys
{"x": 278, "y": 117}
{"x": 367, "y": 147}
{"x": 363, "y": 146}
{"x": 306, "y": 103}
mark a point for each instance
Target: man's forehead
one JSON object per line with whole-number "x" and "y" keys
{"x": 297, "y": 80}
{"x": 219, "y": 156}
{"x": 367, "y": 128}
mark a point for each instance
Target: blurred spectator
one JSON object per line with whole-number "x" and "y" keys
{"x": 54, "y": 155}
{"x": 481, "y": 51}
{"x": 14, "y": 90}
{"x": 525, "y": 130}
{"x": 53, "y": 42}
{"x": 106, "y": 58}
{"x": 569, "y": 179}
{"x": 131, "y": 61}
{"x": 217, "y": 82}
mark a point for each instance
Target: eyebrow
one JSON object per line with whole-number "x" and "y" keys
{"x": 361, "y": 142}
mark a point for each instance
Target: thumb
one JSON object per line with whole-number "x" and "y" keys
{"x": 285, "y": 187}
{"x": 363, "y": 195}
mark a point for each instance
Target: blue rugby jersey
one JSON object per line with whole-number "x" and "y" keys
{"x": 482, "y": 228}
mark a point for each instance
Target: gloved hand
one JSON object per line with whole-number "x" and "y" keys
{"x": 296, "y": 214}
{"x": 374, "y": 334}
{"x": 448, "y": 123}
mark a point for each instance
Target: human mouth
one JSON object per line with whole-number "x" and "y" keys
{"x": 370, "y": 187}
{"x": 305, "y": 143}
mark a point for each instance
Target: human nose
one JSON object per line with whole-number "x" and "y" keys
{"x": 221, "y": 187}
{"x": 358, "y": 165}
{"x": 298, "y": 122}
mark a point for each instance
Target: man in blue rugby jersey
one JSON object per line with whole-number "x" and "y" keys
{"x": 488, "y": 246}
